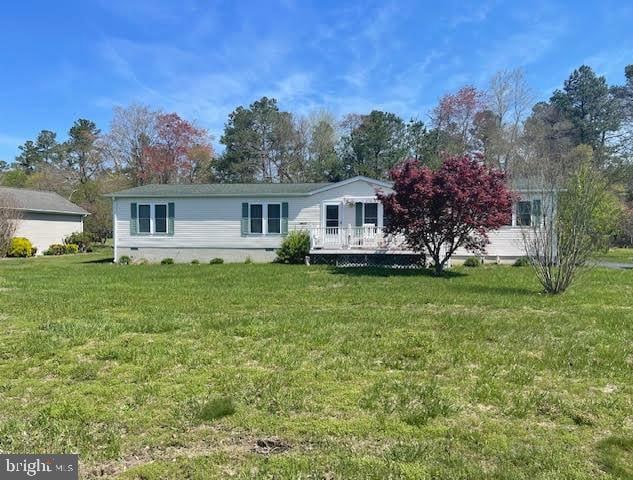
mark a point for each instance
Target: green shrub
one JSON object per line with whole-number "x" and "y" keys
{"x": 20, "y": 247}
{"x": 248, "y": 260}
{"x": 56, "y": 249}
{"x": 167, "y": 261}
{"x": 83, "y": 240}
{"x": 71, "y": 248}
{"x": 522, "y": 262}
{"x": 124, "y": 260}
{"x": 472, "y": 262}
{"x": 33, "y": 251}
{"x": 294, "y": 248}
{"x": 195, "y": 262}
{"x": 216, "y": 261}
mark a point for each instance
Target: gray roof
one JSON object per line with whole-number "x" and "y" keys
{"x": 238, "y": 189}
{"x": 221, "y": 190}
{"x": 40, "y": 201}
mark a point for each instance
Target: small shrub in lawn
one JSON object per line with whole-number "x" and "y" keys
{"x": 472, "y": 262}
{"x": 294, "y": 248}
{"x": 167, "y": 261}
{"x": 216, "y": 261}
{"x": 56, "y": 249}
{"x": 71, "y": 248}
{"x": 195, "y": 262}
{"x": 214, "y": 408}
{"x": 124, "y": 260}
{"x": 20, "y": 247}
{"x": 522, "y": 262}
{"x": 248, "y": 260}
{"x": 33, "y": 251}
{"x": 83, "y": 240}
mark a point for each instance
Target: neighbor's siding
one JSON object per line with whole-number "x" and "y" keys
{"x": 505, "y": 242}
{"x": 214, "y": 222}
{"x": 45, "y": 229}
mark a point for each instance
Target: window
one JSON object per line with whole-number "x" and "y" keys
{"x": 274, "y": 218}
{"x": 524, "y": 214}
{"x": 331, "y": 216}
{"x": 371, "y": 214}
{"x": 256, "y": 215}
{"x": 160, "y": 218}
{"x": 144, "y": 218}
{"x": 385, "y": 219}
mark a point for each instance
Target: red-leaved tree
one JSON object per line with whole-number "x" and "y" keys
{"x": 442, "y": 210}
{"x": 179, "y": 153}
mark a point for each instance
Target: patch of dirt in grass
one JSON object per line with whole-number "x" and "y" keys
{"x": 268, "y": 446}
{"x": 234, "y": 443}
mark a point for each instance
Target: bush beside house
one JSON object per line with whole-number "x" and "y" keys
{"x": 295, "y": 247}
{"x": 21, "y": 247}
{"x": 62, "y": 249}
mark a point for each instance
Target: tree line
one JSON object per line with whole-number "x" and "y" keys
{"x": 585, "y": 119}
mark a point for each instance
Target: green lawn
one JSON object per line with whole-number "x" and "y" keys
{"x": 189, "y": 371}
{"x": 620, "y": 255}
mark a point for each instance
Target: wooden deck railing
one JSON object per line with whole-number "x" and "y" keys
{"x": 342, "y": 238}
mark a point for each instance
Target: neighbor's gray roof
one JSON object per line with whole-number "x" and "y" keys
{"x": 40, "y": 201}
{"x": 221, "y": 189}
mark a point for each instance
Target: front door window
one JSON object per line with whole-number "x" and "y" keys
{"x": 331, "y": 216}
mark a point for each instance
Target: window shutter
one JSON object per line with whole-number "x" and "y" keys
{"x": 536, "y": 211}
{"x": 171, "y": 214}
{"x": 133, "y": 222}
{"x": 244, "y": 218}
{"x": 359, "y": 214}
{"x": 284, "y": 218}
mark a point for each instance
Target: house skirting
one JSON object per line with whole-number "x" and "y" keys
{"x": 186, "y": 255}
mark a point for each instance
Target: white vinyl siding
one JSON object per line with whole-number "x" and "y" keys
{"x": 45, "y": 229}
{"x": 215, "y": 222}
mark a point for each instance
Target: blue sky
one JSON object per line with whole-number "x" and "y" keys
{"x": 64, "y": 60}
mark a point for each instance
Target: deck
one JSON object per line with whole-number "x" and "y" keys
{"x": 349, "y": 240}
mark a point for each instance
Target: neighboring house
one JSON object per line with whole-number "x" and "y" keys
{"x": 45, "y": 218}
{"x": 239, "y": 221}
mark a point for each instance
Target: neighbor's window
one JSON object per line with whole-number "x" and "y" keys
{"x": 256, "y": 214}
{"x": 160, "y": 218}
{"x": 524, "y": 214}
{"x": 274, "y": 218}
{"x": 144, "y": 218}
{"x": 371, "y": 214}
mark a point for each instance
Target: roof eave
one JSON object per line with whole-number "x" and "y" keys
{"x": 203, "y": 195}
{"x": 60, "y": 212}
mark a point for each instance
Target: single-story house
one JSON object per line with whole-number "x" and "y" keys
{"x": 240, "y": 221}
{"x": 45, "y": 218}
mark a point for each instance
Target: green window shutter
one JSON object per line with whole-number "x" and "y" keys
{"x": 244, "y": 218}
{"x": 133, "y": 222}
{"x": 171, "y": 214}
{"x": 284, "y": 218}
{"x": 536, "y": 211}
{"x": 359, "y": 214}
